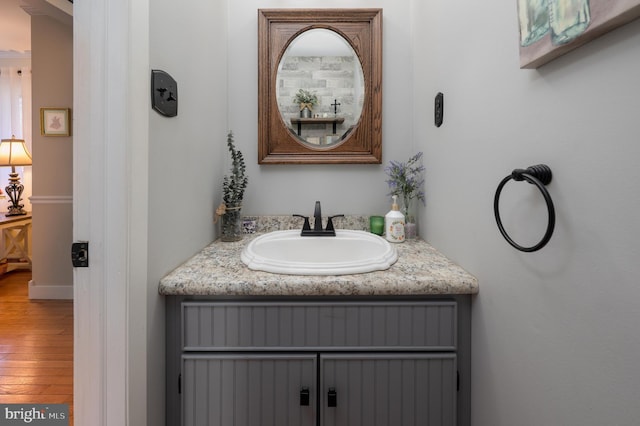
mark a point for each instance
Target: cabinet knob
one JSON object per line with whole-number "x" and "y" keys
{"x": 304, "y": 396}
{"x": 332, "y": 398}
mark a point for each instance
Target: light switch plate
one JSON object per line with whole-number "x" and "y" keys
{"x": 164, "y": 93}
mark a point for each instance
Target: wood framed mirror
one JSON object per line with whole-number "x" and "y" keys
{"x": 329, "y": 60}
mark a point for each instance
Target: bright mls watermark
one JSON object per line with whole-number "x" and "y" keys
{"x": 34, "y": 414}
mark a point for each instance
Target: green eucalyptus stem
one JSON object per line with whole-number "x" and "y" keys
{"x": 233, "y": 187}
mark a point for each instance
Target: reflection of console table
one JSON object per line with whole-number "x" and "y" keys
{"x": 15, "y": 242}
{"x": 321, "y": 120}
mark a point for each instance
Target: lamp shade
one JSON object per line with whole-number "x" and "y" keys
{"x": 13, "y": 152}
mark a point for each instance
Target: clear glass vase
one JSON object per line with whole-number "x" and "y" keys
{"x": 410, "y": 224}
{"x": 232, "y": 223}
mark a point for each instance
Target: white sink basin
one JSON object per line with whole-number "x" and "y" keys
{"x": 349, "y": 252}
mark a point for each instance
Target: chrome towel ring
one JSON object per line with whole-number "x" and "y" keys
{"x": 538, "y": 175}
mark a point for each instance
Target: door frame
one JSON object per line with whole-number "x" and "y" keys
{"x": 111, "y": 50}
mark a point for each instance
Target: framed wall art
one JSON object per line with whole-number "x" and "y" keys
{"x": 54, "y": 122}
{"x": 551, "y": 28}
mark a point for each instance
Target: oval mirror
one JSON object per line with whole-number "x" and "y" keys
{"x": 330, "y": 60}
{"x": 320, "y": 88}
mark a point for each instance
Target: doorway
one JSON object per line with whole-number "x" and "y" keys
{"x": 45, "y": 372}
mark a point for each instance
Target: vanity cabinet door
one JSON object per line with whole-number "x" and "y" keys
{"x": 399, "y": 389}
{"x": 249, "y": 389}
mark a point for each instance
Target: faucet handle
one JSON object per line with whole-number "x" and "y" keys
{"x": 306, "y": 226}
{"x": 330, "y": 222}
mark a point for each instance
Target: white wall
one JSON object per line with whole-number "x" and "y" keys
{"x": 52, "y": 86}
{"x": 287, "y": 189}
{"x": 555, "y": 339}
{"x": 186, "y": 156}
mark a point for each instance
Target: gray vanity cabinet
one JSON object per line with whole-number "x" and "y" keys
{"x": 388, "y": 389}
{"x": 316, "y": 363}
{"x": 249, "y": 389}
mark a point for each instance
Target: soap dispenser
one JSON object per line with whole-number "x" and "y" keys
{"x": 394, "y": 223}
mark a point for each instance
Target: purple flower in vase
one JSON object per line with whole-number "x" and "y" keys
{"x": 406, "y": 180}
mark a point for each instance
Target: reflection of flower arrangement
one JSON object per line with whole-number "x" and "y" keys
{"x": 406, "y": 180}
{"x": 305, "y": 99}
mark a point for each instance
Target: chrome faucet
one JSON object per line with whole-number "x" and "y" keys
{"x": 317, "y": 230}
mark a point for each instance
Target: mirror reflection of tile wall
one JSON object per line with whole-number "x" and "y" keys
{"x": 330, "y": 78}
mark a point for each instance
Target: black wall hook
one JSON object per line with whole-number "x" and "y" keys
{"x": 538, "y": 175}
{"x": 164, "y": 93}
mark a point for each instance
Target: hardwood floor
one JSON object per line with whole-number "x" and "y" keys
{"x": 36, "y": 346}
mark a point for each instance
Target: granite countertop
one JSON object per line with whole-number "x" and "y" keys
{"x": 218, "y": 270}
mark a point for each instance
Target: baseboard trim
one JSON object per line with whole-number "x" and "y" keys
{"x": 58, "y": 292}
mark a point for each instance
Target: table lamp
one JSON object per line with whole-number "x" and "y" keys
{"x": 13, "y": 152}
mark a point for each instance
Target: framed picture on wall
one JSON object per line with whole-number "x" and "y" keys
{"x": 54, "y": 121}
{"x": 551, "y": 28}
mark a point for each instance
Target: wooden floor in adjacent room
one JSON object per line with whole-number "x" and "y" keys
{"x": 36, "y": 346}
